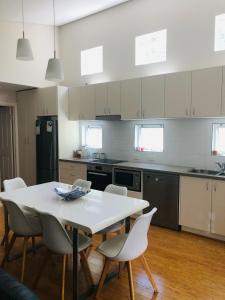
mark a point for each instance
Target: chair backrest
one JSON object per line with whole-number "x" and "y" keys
{"x": 17, "y": 220}
{"x": 115, "y": 189}
{"x": 55, "y": 236}
{"x": 13, "y": 184}
{"x": 137, "y": 240}
{"x": 82, "y": 183}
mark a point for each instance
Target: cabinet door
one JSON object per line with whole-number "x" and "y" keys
{"x": 87, "y": 103}
{"x": 223, "y": 94}
{"x": 131, "y": 99}
{"x": 74, "y": 103}
{"x": 101, "y": 108}
{"x": 153, "y": 97}
{"x": 207, "y": 92}
{"x": 195, "y": 203}
{"x": 218, "y": 208}
{"x": 47, "y": 104}
{"x": 69, "y": 172}
{"x": 178, "y": 95}
{"x": 114, "y": 99}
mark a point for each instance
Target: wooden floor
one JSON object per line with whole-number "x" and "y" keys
{"x": 184, "y": 266}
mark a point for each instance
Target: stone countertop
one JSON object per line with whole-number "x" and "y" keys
{"x": 149, "y": 167}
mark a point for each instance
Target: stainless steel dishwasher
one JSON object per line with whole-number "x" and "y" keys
{"x": 161, "y": 190}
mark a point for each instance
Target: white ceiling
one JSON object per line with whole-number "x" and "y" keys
{"x": 40, "y": 11}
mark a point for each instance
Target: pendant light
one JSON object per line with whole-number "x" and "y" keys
{"x": 54, "y": 70}
{"x": 24, "y": 51}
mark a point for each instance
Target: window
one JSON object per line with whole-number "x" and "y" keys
{"x": 219, "y": 33}
{"x": 218, "y": 140}
{"x": 92, "y": 61}
{"x": 149, "y": 138}
{"x": 150, "y": 48}
{"x": 92, "y": 137}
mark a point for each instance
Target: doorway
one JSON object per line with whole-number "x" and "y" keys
{"x": 7, "y": 143}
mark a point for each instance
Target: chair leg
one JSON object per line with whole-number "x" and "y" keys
{"x": 86, "y": 267}
{"x": 26, "y": 238}
{"x": 12, "y": 241}
{"x": 43, "y": 265}
{"x": 88, "y": 251}
{"x": 148, "y": 271}
{"x": 131, "y": 283}
{"x": 103, "y": 276}
{"x": 5, "y": 240}
{"x": 104, "y": 237}
{"x": 63, "y": 277}
{"x": 33, "y": 245}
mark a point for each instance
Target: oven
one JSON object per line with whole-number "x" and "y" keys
{"x": 100, "y": 176}
{"x": 129, "y": 178}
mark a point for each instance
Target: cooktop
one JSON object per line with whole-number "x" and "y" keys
{"x": 108, "y": 161}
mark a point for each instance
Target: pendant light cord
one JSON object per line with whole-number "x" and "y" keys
{"x": 54, "y": 27}
{"x": 23, "y": 18}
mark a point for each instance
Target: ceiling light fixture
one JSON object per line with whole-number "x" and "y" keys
{"x": 24, "y": 51}
{"x": 54, "y": 70}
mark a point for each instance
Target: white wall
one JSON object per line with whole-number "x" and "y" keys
{"x": 186, "y": 142}
{"x": 31, "y": 72}
{"x": 190, "y": 25}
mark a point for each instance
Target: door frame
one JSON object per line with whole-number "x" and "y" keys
{"x": 15, "y": 134}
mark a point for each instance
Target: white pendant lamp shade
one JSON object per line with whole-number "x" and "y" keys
{"x": 24, "y": 51}
{"x": 54, "y": 70}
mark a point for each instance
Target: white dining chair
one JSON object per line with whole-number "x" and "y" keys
{"x": 59, "y": 241}
{"x": 126, "y": 248}
{"x": 23, "y": 226}
{"x": 119, "y": 190}
{"x": 82, "y": 183}
{"x": 11, "y": 185}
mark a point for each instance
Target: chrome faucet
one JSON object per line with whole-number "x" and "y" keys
{"x": 221, "y": 166}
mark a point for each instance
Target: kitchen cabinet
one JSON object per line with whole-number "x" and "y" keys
{"x": 218, "y": 207}
{"x": 74, "y": 103}
{"x": 101, "y": 101}
{"x": 223, "y": 94}
{"x": 195, "y": 203}
{"x": 152, "y": 97}
{"x": 207, "y": 92}
{"x": 87, "y": 102}
{"x": 47, "y": 104}
{"x": 178, "y": 95}
{"x": 26, "y": 115}
{"x": 69, "y": 172}
{"x": 202, "y": 204}
{"x": 114, "y": 98}
{"x": 131, "y": 99}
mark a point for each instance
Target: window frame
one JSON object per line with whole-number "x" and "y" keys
{"x": 82, "y": 58}
{"x": 138, "y": 128}
{"x": 217, "y": 33}
{"x": 150, "y": 61}
{"x": 215, "y": 152}
{"x": 84, "y": 134}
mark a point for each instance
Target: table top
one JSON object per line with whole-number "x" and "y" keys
{"x": 92, "y": 212}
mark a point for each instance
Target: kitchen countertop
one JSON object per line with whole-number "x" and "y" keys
{"x": 149, "y": 167}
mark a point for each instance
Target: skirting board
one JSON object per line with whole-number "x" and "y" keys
{"x": 203, "y": 233}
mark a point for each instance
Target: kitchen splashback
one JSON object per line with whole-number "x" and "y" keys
{"x": 186, "y": 142}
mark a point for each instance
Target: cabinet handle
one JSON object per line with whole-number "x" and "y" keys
{"x": 109, "y": 110}
{"x": 214, "y": 187}
{"x": 193, "y": 111}
{"x": 143, "y": 113}
{"x": 207, "y": 186}
{"x": 186, "y": 111}
{"x": 104, "y": 111}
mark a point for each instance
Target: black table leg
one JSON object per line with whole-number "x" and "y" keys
{"x": 75, "y": 264}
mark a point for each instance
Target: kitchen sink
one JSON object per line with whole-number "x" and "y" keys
{"x": 206, "y": 172}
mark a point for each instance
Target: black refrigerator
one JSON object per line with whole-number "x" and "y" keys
{"x": 47, "y": 149}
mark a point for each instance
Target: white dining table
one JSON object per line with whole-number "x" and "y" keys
{"x": 91, "y": 213}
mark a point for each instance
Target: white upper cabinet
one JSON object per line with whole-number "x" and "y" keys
{"x": 131, "y": 99}
{"x": 47, "y": 103}
{"x": 223, "y": 94}
{"x": 153, "y": 97}
{"x": 101, "y": 102}
{"x": 114, "y": 98}
{"x": 178, "y": 95}
{"x": 87, "y": 102}
{"x": 74, "y": 103}
{"x": 207, "y": 92}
